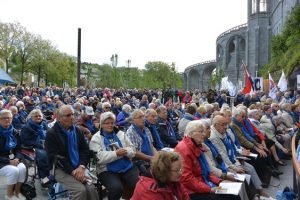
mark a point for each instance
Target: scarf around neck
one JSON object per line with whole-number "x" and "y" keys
{"x": 245, "y": 132}
{"x": 146, "y": 146}
{"x": 157, "y": 141}
{"x": 72, "y": 144}
{"x": 10, "y": 140}
{"x": 39, "y": 128}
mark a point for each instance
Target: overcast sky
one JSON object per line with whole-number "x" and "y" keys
{"x": 180, "y": 31}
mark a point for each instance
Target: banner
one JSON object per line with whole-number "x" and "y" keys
{"x": 272, "y": 87}
{"x": 258, "y": 84}
{"x": 282, "y": 83}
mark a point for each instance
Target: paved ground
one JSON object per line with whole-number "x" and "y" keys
{"x": 276, "y": 184}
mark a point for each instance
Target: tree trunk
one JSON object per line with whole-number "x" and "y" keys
{"x": 6, "y": 62}
{"x": 39, "y": 76}
{"x": 22, "y": 72}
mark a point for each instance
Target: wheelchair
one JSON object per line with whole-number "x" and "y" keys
{"x": 28, "y": 155}
{"x": 57, "y": 191}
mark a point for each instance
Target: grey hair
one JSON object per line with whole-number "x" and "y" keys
{"x": 5, "y": 111}
{"x": 206, "y": 122}
{"x": 126, "y": 106}
{"x": 61, "y": 110}
{"x": 105, "y": 116}
{"x": 238, "y": 111}
{"x": 251, "y": 113}
{"x": 193, "y": 126}
{"x": 149, "y": 111}
{"x": 161, "y": 108}
{"x": 33, "y": 112}
{"x": 285, "y": 105}
{"x": 19, "y": 103}
{"x": 276, "y": 118}
{"x": 135, "y": 113}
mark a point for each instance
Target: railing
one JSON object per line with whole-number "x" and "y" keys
{"x": 236, "y": 28}
{"x": 205, "y": 62}
{"x": 296, "y": 167}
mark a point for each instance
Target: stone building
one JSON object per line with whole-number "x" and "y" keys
{"x": 248, "y": 43}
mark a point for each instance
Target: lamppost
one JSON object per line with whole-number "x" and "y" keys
{"x": 128, "y": 62}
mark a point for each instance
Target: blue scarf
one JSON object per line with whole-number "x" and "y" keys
{"x": 146, "y": 146}
{"x": 249, "y": 127}
{"x": 205, "y": 169}
{"x": 11, "y": 141}
{"x": 39, "y": 128}
{"x": 170, "y": 129}
{"x": 231, "y": 151}
{"x": 72, "y": 145}
{"x": 188, "y": 117}
{"x": 91, "y": 126}
{"x": 198, "y": 115}
{"x": 245, "y": 132}
{"x": 118, "y": 166}
{"x": 215, "y": 154}
{"x": 236, "y": 140}
{"x": 157, "y": 141}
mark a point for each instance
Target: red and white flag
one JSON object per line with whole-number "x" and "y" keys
{"x": 248, "y": 87}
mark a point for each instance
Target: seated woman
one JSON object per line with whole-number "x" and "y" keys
{"x": 196, "y": 177}
{"x": 10, "y": 165}
{"x": 33, "y": 135}
{"x": 114, "y": 153}
{"x": 166, "y": 169}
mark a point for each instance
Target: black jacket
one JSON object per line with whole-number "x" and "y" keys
{"x": 4, "y": 154}
{"x": 57, "y": 144}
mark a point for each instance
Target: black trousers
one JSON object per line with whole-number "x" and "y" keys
{"x": 114, "y": 182}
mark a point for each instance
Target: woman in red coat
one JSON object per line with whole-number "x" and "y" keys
{"x": 196, "y": 177}
{"x": 166, "y": 168}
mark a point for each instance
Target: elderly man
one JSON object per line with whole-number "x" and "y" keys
{"x": 187, "y": 117}
{"x": 141, "y": 138}
{"x": 65, "y": 140}
{"x": 228, "y": 152}
{"x": 86, "y": 122}
{"x": 150, "y": 122}
{"x": 167, "y": 134}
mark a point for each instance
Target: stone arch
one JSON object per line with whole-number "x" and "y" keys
{"x": 193, "y": 81}
{"x": 206, "y": 77}
{"x": 220, "y": 52}
{"x": 242, "y": 44}
{"x": 185, "y": 81}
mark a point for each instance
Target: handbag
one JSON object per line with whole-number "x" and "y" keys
{"x": 28, "y": 190}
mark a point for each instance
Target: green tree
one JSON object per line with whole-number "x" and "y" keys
{"x": 285, "y": 47}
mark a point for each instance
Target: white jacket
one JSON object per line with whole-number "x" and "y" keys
{"x": 103, "y": 156}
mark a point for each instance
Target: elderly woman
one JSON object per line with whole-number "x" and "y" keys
{"x": 123, "y": 117}
{"x": 33, "y": 135}
{"x": 10, "y": 165}
{"x": 197, "y": 178}
{"x": 166, "y": 169}
{"x": 114, "y": 154}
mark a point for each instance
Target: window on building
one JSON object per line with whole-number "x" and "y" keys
{"x": 254, "y": 6}
{"x": 263, "y": 6}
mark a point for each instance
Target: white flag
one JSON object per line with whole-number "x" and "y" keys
{"x": 282, "y": 84}
{"x": 272, "y": 87}
{"x": 231, "y": 88}
{"x": 224, "y": 83}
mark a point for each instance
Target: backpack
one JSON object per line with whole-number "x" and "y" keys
{"x": 28, "y": 190}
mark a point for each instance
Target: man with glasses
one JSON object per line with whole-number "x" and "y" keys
{"x": 66, "y": 143}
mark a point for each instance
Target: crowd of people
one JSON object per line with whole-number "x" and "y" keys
{"x": 160, "y": 144}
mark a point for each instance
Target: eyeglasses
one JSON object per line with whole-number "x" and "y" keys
{"x": 68, "y": 115}
{"x": 5, "y": 118}
{"x": 109, "y": 123}
{"x": 38, "y": 116}
{"x": 106, "y": 107}
{"x": 177, "y": 170}
{"x": 222, "y": 124}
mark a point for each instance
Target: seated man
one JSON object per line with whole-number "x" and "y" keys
{"x": 67, "y": 141}
{"x": 85, "y": 122}
{"x": 141, "y": 138}
{"x": 167, "y": 134}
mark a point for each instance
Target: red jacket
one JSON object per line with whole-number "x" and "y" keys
{"x": 191, "y": 178}
{"x": 147, "y": 188}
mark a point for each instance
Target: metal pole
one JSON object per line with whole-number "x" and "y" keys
{"x": 78, "y": 57}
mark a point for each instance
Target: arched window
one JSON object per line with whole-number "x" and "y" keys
{"x": 263, "y": 6}
{"x": 254, "y": 6}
